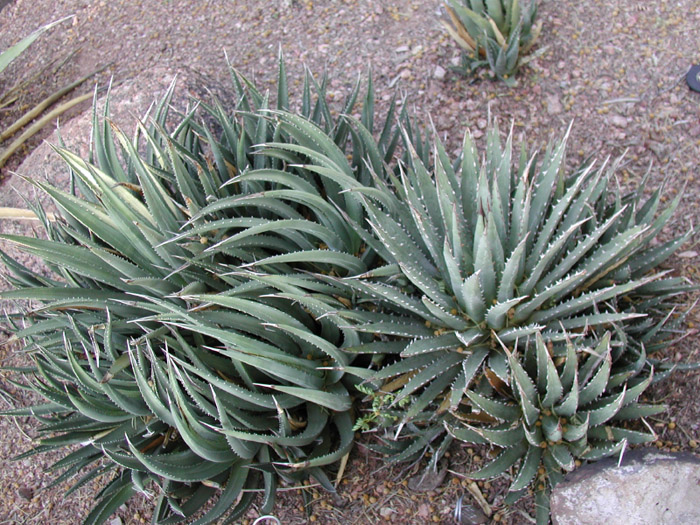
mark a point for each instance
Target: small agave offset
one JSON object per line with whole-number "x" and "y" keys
{"x": 494, "y": 33}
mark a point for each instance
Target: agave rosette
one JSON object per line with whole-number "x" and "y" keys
{"x": 554, "y": 411}
{"x": 480, "y": 256}
{"x": 495, "y": 33}
{"x": 181, "y": 371}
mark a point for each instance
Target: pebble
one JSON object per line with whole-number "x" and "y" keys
{"x": 554, "y": 106}
{"x": 618, "y": 121}
{"x": 439, "y": 73}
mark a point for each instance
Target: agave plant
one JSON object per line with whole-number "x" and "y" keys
{"x": 482, "y": 258}
{"x": 494, "y": 33}
{"x": 557, "y": 409}
{"x": 182, "y": 372}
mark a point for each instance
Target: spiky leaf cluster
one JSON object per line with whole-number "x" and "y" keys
{"x": 482, "y": 256}
{"x": 495, "y": 33}
{"x": 182, "y": 372}
{"x": 556, "y": 409}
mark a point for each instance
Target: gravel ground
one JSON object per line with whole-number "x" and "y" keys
{"x": 613, "y": 68}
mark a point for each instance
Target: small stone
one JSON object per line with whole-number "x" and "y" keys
{"x": 427, "y": 481}
{"x": 439, "y": 73}
{"x": 116, "y": 521}
{"x": 402, "y": 49}
{"x": 481, "y": 123}
{"x": 26, "y": 492}
{"x": 554, "y": 106}
{"x": 456, "y": 61}
{"x": 649, "y": 487}
{"x": 386, "y": 512}
{"x": 618, "y": 121}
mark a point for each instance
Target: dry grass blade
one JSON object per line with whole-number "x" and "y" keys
{"x": 13, "y": 94}
{"x": 39, "y": 124}
{"x": 473, "y": 489}
{"x": 21, "y": 214}
{"x": 47, "y": 102}
{"x": 10, "y": 96}
{"x": 341, "y": 470}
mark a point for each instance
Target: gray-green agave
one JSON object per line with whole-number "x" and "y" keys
{"x": 485, "y": 256}
{"x": 556, "y": 409}
{"x": 494, "y": 33}
{"x": 182, "y": 372}
{"x": 502, "y": 283}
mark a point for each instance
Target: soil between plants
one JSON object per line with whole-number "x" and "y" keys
{"x": 616, "y": 70}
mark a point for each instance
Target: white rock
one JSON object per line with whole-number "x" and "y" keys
{"x": 618, "y": 121}
{"x": 439, "y": 73}
{"x": 649, "y": 488}
{"x": 554, "y": 106}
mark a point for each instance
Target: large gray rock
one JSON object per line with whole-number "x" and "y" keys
{"x": 648, "y": 488}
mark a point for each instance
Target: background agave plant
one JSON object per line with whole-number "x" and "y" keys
{"x": 493, "y": 33}
{"x": 183, "y": 372}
